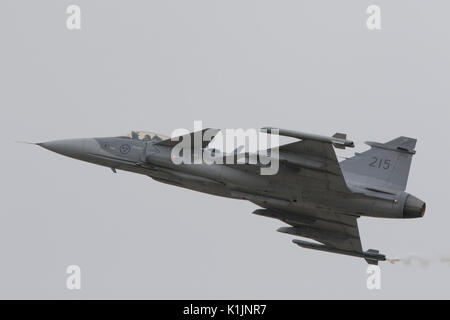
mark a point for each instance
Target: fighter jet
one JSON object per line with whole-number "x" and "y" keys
{"x": 315, "y": 195}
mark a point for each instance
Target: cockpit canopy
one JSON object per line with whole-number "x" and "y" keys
{"x": 145, "y": 136}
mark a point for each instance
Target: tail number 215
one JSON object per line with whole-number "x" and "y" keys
{"x": 380, "y": 163}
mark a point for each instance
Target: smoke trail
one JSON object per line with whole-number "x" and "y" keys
{"x": 421, "y": 260}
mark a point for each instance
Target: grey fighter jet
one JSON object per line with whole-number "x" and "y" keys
{"x": 315, "y": 195}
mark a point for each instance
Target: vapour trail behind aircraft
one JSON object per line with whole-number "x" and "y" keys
{"x": 317, "y": 196}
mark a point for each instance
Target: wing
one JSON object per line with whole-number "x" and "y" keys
{"x": 316, "y": 161}
{"x": 340, "y": 232}
{"x": 337, "y": 233}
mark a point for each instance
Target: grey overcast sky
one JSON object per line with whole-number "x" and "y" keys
{"x": 159, "y": 65}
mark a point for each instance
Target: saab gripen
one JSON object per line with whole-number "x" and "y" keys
{"x": 315, "y": 195}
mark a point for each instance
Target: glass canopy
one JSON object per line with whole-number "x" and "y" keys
{"x": 145, "y": 136}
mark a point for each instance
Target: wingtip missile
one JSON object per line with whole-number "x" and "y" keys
{"x": 339, "y": 140}
{"x": 371, "y": 256}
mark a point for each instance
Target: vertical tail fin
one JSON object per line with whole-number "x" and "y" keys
{"x": 385, "y": 165}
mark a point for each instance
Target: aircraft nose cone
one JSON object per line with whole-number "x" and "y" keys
{"x": 70, "y": 147}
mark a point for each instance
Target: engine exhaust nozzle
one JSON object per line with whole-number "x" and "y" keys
{"x": 414, "y": 208}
